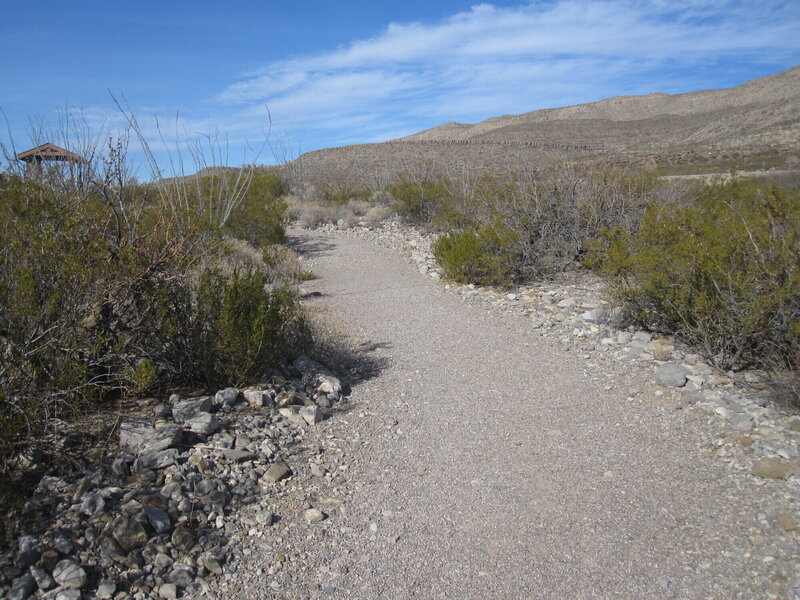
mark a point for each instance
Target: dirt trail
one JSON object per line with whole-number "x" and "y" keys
{"x": 511, "y": 471}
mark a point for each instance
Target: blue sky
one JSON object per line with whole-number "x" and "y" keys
{"x": 334, "y": 73}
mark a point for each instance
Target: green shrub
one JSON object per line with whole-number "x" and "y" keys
{"x": 240, "y": 328}
{"x": 419, "y": 198}
{"x": 553, "y": 212}
{"x": 259, "y": 217}
{"x": 482, "y": 256}
{"x": 722, "y": 272}
{"x": 98, "y": 296}
{"x": 339, "y": 193}
{"x": 143, "y": 376}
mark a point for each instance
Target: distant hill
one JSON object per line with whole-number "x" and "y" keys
{"x": 755, "y": 125}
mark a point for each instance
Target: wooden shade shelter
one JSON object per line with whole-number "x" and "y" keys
{"x": 49, "y": 152}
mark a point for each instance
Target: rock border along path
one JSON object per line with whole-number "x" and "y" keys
{"x": 499, "y": 455}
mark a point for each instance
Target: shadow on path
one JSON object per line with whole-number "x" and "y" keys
{"x": 309, "y": 247}
{"x": 353, "y": 364}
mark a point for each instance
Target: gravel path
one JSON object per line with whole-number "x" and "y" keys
{"x": 483, "y": 461}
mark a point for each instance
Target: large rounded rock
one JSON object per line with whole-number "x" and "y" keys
{"x": 210, "y": 563}
{"x": 134, "y": 434}
{"x": 156, "y": 460}
{"x": 69, "y": 574}
{"x": 277, "y": 471}
{"x": 129, "y": 533}
{"x": 158, "y": 519}
{"x": 43, "y": 579}
{"x": 183, "y": 539}
{"x": 187, "y": 409}
{"x": 22, "y": 587}
{"x": 257, "y": 398}
{"x": 182, "y": 575}
{"x": 311, "y": 414}
{"x": 203, "y": 423}
{"x": 106, "y": 590}
{"x": 227, "y": 397}
{"x": 313, "y": 515}
{"x": 772, "y": 468}
{"x": 138, "y": 436}
{"x": 672, "y": 375}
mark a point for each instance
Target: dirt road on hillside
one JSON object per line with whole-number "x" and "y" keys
{"x": 487, "y": 462}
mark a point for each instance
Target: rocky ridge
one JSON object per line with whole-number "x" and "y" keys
{"x": 754, "y": 123}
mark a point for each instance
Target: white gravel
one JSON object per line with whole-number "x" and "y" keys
{"x": 480, "y": 460}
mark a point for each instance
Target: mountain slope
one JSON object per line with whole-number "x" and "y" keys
{"x": 755, "y": 125}
{"x": 765, "y": 110}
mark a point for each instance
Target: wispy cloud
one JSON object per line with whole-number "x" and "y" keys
{"x": 492, "y": 60}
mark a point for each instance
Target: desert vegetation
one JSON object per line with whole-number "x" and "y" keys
{"x": 526, "y": 224}
{"x": 346, "y": 198}
{"x": 111, "y": 287}
{"x": 720, "y": 269}
{"x": 712, "y": 262}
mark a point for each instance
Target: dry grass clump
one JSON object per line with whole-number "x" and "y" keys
{"x": 376, "y": 215}
{"x": 284, "y": 264}
{"x": 313, "y": 213}
{"x": 235, "y": 256}
{"x": 279, "y": 263}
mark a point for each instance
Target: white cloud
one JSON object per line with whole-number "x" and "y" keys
{"x": 491, "y": 60}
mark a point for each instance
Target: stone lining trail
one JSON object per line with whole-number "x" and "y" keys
{"x": 482, "y": 460}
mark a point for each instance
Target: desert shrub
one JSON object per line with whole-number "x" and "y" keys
{"x": 334, "y": 193}
{"x": 235, "y": 256}
{"x": 552, "y": 212}
{"x": 722, "y": 272}
{"x": 359, "y": 208}
{"x": 239, "y": 326}
{"x": 376, "y": 215}
{"x": 99, "y": 279}
{"x": 259, "y": 216}
{"x": 418, "y": 198}
{"x": 557, "y": 211}
{"x": 483, "y": 256}
{"x": 142, "y": 376}
{"x": 298, "y": 212}
{"x": 310, "y": 213}
{"x": 283, "y": 264}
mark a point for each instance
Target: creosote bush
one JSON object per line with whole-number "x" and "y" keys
{"x": 545, "y": 218}
{"x": 259, "y": 218}
{"x": 238, "y": 327}
{"x": 421, "y": 198}
{"x": 484, "y": 255}
{"x": 338, "y": 193}
{"x": 721, "y": 271}
{"x": 109, "y": 287}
